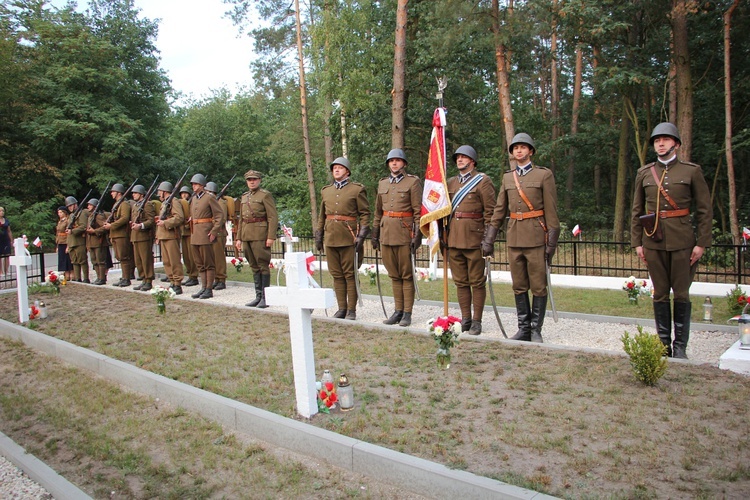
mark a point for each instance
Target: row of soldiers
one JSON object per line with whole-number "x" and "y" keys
{"x": 189, "y": 229}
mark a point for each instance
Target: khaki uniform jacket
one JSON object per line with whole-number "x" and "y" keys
{"x": 257, "y": 205}
{"x": 205, "y": 207}
{"x": 539, "y": 187}
{"x": 99, "y": 238}
{"x": 685, "y": 184}
{"x": 120, "y": 227}
{"x": 77, "y": 236}
{"x": 61, "y": 237}
{"x": 468, "y": 233}
{"x": 172, "y": 228}
{"x": 146, "y": 218}
{"x": 185, "y": 217}
{"x": 349, "y": 201}
{"x": 403, "y": 196}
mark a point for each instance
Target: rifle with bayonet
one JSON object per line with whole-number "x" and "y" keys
{"x": 223, "y": 191}
{"x": 78, "y": 211}
{"x": 117, "y": 204}
{"x": 168, "y": 202}
{"x": 139, "y": 206}
{"x": 92, "y": 215}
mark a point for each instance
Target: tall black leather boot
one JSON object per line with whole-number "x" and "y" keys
{"x": 523, "y": 311}
{"x": 258, "y": 290}
{"x": 663, "y": 319}
{"x": 538, "y": 310}
{"x": 681, "y": 329}
{"x": 265, "y": 281}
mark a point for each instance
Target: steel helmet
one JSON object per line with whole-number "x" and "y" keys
{"x": 139, "y": 190}
{"x": 343, "y": 162}
{"x": 396, "y": 153}
{"x": 118, "y": 188}
{"x": 70, "y": 200}
{"x": 211, "y": 187}
{"x": 466, "y": 151}
{"x": 165, "y": 186}
{"x": 522, "y": 138}
{"x": 94, "y": 201}
{"x": 198, "y": 179}
{"x": 666, "y": 129}
{"x": 185, "y": 189}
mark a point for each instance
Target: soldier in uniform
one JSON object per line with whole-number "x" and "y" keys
{"x": 395, "y": 229}
{"x": 667, "y": 242}
{"x": 119, "y": 234}
{"x": 256, "y": 232}
{"x": 343, "y": 226}
{"x": 473, "y": 197}
{"x": 97, "y": 241}
{"x": 187, "y": 248}
{"x": 77, "y": 241}
{"x": 206, "y": 221}
{"x": 142, "y": 237}
{"x": 169, "y": 233}
{"x": 529, "y": 196}
{"x": 220, "y": 245}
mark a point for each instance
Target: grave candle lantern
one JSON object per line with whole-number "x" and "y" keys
{"x": 708, "y": 310}
{"x": 345, "y": 393}
{"x": 744, "y": 327}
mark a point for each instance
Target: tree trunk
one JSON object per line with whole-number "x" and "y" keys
{"x": 734, "y": 225}
{"x": 597, "y": 119}
{"x": 683, "y": 78}
{"x": 621, "y": 202}
{"x": 501, "y": 71}
{"x": 305, "y": 130}
{"x": 577, "y": 84}
{"x": 672, "y": 85}
{"x": 399, "y": 78}
{"x": 555, "y": 91}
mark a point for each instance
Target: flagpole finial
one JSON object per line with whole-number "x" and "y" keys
{"x": 442, "y": 82}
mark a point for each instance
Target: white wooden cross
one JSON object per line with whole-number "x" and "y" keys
{"x": 21, "y": 258}
{"x": 300, "y": 300}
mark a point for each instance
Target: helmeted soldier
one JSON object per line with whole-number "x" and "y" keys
{"x": 187, "y": 249}
{"x": 343, "y": 226}
{"x": 528, "y": 196}
{"x": 77, "y": 241}
{"x": 219, "y": 246}
{"x": 142, "y": 236}
{"x": 256, "y": 232}
{"x": 206, "y": 221}
{"x": 119, "y": 234}
{"x": 395, "y": 229}
{"x": 473, "y": 201}
{"x": 97, "y": 241}
{"x": 664, "y": 239}
{"x": 169, "y": 233}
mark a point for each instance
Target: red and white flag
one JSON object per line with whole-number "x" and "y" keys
{"x": 576, "y": 230}
{"x": 745, "y": 233}
{"x": 38, "y": 242}
{"x": 435, "y": 201}
{"x": 310, "y": 260}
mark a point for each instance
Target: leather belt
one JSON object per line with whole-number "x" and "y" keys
{"x": 468, "y": 215}
{"x": 62, "y": 234}
{"x": 254, "y": 219}
{"x": 340, "y": 217}
{"x": 681, "y": 212}
{"x": 400, "y": 215}
{"x": 526, "y": 215}
{"x": 202, "y": 221}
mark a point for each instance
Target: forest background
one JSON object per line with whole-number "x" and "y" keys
{"x": 83, "y": 101}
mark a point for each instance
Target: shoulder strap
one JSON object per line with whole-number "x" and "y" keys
{"x": 461, "y": 193}
{"x": 526, "y": 200}
{"x": 661, "y": 189}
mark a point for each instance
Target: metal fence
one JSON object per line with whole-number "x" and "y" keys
{"x": 34, "y": 273}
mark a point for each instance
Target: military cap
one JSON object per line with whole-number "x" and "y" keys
{"x": 253, "y": 174}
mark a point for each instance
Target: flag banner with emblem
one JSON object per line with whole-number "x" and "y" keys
{"x": 435, "y": 201}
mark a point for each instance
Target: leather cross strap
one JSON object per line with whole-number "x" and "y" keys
{"x": 528, "y": 204}
{"x": 661, "y": 188}
{"x": 400, "y": 215}
{"x": 526, "y": 215}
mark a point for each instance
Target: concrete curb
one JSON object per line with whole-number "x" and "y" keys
{"x": 54, "y": 483}
{"x": 413, "y": 473}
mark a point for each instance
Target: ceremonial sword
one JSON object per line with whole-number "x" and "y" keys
{"x": 356, "y": 277}
{"x": 549, "y": 292}
{"x": 377, "y": 278}
{"x": 488, "y": 272}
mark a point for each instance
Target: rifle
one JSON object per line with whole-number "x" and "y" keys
{"x": 139, "y": 206}
{"x": 92, "y": 215}
{"x": 78, "y": 211}
{"x": 168, "y": 202}
{"x": 224, "y": 189}
{"x": 117, "y": 204}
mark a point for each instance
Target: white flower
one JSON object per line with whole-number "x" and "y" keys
{"x": 438, "y": 331}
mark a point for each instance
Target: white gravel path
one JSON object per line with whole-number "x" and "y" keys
{"x": 16, "y": 485}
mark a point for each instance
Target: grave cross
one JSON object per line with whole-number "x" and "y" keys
{"x": 300, "y": 300}
{"x": 21, "y": 258}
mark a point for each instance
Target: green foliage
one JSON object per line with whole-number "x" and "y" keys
{"x": 647, "y": 356}
{"x": 736, "y": 300}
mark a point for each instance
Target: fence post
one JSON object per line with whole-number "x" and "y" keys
{"x": 575, "y": 258}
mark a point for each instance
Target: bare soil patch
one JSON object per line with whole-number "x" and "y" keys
{"x": 566, "y": 423}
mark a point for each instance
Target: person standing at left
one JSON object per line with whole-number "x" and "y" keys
{"x": 77, "y": 241}
{"x": 6, "y": 239}
{"x": 473, "y": 197}
{"x": 142, "y": 237}
{"x": 666, "y": 241}
{"x": 343, "y": 226}
{"x": 395, "y": 230}
{"x": 96, "y": 241}
{"x": 206, "y": 219}
{"x": 168, "y": 233}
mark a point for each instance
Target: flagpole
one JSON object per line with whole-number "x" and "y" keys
{"x": 442, "y": 83}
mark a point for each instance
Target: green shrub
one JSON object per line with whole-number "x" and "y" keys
{"x": 647, "y": 356}
{"x": 736, "y": 300}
